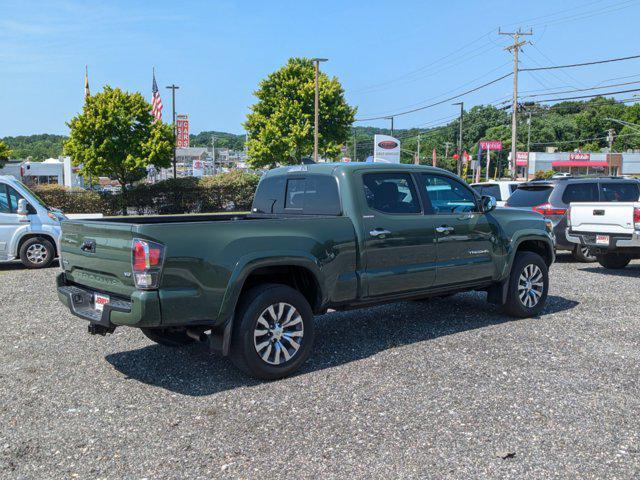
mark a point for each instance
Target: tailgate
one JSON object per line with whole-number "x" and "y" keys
{"x": 600, "y": 217}
{"x": 104, "y": 263}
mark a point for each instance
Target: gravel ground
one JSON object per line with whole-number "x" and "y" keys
{"x": 441, "y": 389}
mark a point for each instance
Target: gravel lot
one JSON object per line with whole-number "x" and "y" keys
{"x": 441, "y": 389}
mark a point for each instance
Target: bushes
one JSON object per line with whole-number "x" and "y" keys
{"x": 224, "y": 192}
{"x": 76, "y": 200}
{"x": 543, "y": 174}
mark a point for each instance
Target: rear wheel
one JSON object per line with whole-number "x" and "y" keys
{"x": 614, "y": 261}
{"x": 528, "y": 285}
{"x": 169, "y": 337}
{"x": 37, "y": 252}
{"x": 582, "y": 254}
{"x": 273, "y": 332}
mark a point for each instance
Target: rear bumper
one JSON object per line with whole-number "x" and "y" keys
{"x": 141, "y": 310}
{"x": 615, "y": 241}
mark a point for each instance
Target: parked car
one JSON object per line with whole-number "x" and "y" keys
{"x": 319, "y": 236}
{"x": 611, "y": 231}
{"x": 29, "y": 229}
{"x": 552, "y": 197}
{"x": 501, "y": 190}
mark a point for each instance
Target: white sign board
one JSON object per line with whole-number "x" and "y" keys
{"x": 198, "y": 168}
{"x": 386, "y": 149}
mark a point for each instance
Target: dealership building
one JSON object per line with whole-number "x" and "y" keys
{"x": 579, "y": 163}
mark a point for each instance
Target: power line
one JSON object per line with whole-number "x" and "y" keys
{"x": 590, "y": 96}
{"x": 598, "y": 62}
{"x": 440, "y": 102}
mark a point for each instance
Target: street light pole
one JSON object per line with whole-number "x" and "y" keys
{"x": 526, "y": 171}
{"x": 316, "y": 64}
{"x": 459, "y": 166}
{"x": 173, "y": 104}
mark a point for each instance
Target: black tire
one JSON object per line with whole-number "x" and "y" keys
{"x": 37, "y": 252}
{"x": 246, "y": 340}
{"x": 582, "y": 254}
{"x": 614, "y": 261}
{"x": 168, "y": 337}
{"x": 517, "y": 307}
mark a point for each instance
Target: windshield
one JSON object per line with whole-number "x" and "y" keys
{"x": 31, "y": 192}
{"x": 529, "y": 196}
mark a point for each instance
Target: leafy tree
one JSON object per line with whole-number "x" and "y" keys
{"x": 5, "y": 153}
{"x": 115, "y": 136}
{"x": 280, "y": 124}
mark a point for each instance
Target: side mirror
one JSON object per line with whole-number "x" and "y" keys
{"x": 22, "y": 207}
{"x": 488, "y": 203}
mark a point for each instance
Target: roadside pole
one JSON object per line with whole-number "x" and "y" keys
{"x": 173, "y": 89}
{"x": 316, "y": 63}
{"x": 526, "y": 171}
{"x": 459, "y": 162}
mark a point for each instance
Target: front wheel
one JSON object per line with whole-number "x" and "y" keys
{"x": 614, "y": 261}
{"x": 528, "y": 286}
{"x": 37, "y": 252}
{"x": 272, "y": 332}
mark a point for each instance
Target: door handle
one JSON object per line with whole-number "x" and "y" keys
{"x": 379, "y": 232}
{"x": 444, "y": 229}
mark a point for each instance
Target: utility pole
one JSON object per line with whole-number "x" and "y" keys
{"x": 418, "y": 157}
{"x": 213, "y": 152}
{"x": 355, "y": 149}
{"x": 391, "y": 125}
{"x": 526, "y": 172}
{"x": 459, "y": 162}
{"x": 316, "y": 64}
{"x": 610, "y": 136}
{"x": 515, "y": 48}
{"x": 446, "y": 149}
{"x": 173, "y": 104}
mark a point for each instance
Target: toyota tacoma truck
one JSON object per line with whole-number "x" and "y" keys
{"x": 318, "y": 237}
{"x": 611, "y": 231}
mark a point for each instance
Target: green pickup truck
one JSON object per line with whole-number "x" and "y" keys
{"x": 318, "y": 237}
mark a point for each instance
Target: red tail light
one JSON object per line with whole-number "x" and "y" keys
{"x": 547, "y": 209}
{"x": 146, "y": 262}
{"x": 636, "y": 218}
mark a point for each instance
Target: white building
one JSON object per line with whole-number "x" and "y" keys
{"x": 57, "y": 171}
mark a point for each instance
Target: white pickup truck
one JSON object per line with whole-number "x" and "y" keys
{"x": 29, "y": 230}
{"x": 611, "y": 231}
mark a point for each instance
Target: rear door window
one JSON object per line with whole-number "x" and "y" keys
{"x": 313, "y": 195}
{"x": 529, "y": 196}
{"x": 391, "y": 192}
{"x": 619, "y": 192}
{"x": 580, "y": 192}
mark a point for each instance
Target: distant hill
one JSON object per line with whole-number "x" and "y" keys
{"x": 38, "y": 147}
{"x": 223, "y": 140}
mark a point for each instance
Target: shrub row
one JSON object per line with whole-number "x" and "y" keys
{"x": 224, "y": 192}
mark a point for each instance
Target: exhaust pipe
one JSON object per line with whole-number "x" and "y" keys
{"x": 198, "y": 335}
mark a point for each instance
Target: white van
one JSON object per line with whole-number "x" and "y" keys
{"x": 29, "y": 230}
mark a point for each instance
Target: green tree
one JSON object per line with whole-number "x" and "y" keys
{"x": 115, "y": 136}
{"x": 280, "y": 125}
{"x": 5, "y": 153}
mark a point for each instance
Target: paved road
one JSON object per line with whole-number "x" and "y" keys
{"x": 441, "y": 389}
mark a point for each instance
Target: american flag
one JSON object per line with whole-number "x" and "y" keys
{"x": 156, "y": 102}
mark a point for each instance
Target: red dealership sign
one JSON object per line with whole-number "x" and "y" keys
{"x": 585, "y": 157}
{"x": 490, "y": 145}
{"x": 182, "y": 131}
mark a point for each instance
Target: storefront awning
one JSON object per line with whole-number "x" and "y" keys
{"x": 579, "y": 163}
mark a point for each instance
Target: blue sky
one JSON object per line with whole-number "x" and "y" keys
{"x": 389, "y": 56}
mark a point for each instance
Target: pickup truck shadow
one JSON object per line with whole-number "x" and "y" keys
{"x": 632, "y": 270}
{"x": 341, "y": 337}
{"x": 16, "y": 265}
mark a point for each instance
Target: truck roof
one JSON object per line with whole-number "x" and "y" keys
{"x": 335, "y": 168}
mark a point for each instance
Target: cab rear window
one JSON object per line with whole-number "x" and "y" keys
{"x": 529, "y": 196}
{"x": 304, "y": 195}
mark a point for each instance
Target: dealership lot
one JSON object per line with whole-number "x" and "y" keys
{"x": 442, "y": 389}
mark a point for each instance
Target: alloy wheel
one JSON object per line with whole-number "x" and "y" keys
{"x": 530, "y": 285}
{"x": 37, "y": 253}
{"x": 278, "y": 334}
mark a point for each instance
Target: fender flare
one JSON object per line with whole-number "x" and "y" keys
{"x": 248, "y": 264}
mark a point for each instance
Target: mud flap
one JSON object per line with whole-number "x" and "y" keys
{"x": 497, "y": 293}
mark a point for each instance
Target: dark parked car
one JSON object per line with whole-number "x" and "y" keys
{"x": 552, "y": 198}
